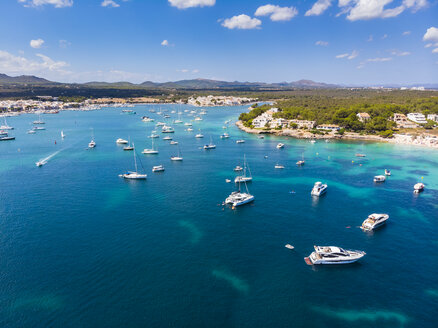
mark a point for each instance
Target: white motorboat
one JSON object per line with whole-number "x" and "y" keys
{"x": 418, "y": 187}
{"x": 333, "y": 255}
{"x": 318, "y": 189}
{"x": 188, "y": 124}
{"x": 246, "y": 177}
{"x": 167, "y": 129}
{"x": 387, "y": 172}
{"x": 38, "y": 128}
{"x": 199, "y": 135}
{"x": 210, "y": 145}
{"x": 227, "y": 180}
{"x": 167, "y": 138}
{"x": 31, "y": 131}
{"x": 173, "y": 142}
{"x": 240, "y": 141}
{"x": 134, "y": 175}
{"x": 238, "y": 198}
{"x": 198, "y": 119}
{"x": 278, "y": 166}
{"x": 153, "y": 136}
{"x": 147, "y": 119}
{"x": 374, "y": 221}
{"x": 225, "y": 136}
{"x": 92, "y": 144}
{"x": 121, "y": 141}
{"x": 238, "y": 168}
{"x": 280, "y": 145}
{"x": 158, "y": 168}
{"x": 312, "y": 141}
{"x": 261, "y": 137}
{"x": 41, "y": 163}
{"x": 379, "y": 178}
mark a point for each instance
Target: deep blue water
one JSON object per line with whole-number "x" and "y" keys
{"x": 81, "y": 247}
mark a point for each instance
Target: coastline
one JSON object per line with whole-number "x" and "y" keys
{"x": 423, "y": 140}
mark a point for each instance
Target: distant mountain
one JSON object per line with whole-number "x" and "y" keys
{"x": 194, "y": 84}
{"x": 23, "y": 79}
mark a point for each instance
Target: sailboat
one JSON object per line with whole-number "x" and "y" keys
{"x": 177, "y": 158}
{"x": 151, "y": 151}
{"x": 39, "y": 121}
{"x": 238, "y": 198}
{"x": 244, "y": 177}
{"x": 62, "y": 134}
{"x": 210, "y": 145}
{"x": 178, "y": 121}
{"x": 92, "y": 143}
{"x": 5, "y": 126}
{"x": 129, "y": 146}
{"x": 134, "y": 175}
{"x": 299, "y": 163}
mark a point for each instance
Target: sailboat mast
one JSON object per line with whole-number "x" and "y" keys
{"x": 135, "y": 159}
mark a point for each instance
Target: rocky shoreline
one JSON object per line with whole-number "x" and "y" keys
{"x": 424, "y": 140}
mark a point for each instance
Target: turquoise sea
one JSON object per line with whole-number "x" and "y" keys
{"x": 81, "y": 247}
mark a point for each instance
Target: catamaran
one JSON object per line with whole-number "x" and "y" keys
{"x": 151, "y": 151}
{"x": 237, "y": 198}
{"x": 244, "y": 177}
{"x": 134, "y": 175}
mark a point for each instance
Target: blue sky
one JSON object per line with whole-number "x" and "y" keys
{"x": 334, "y": 41}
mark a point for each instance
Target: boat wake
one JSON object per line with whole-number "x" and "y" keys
{"x": 44, "y": 161}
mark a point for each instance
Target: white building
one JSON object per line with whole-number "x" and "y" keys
{"x": 303, "y": 124}
{"x": 363, "y": 117}
{"x": 433, "y": 117}
{"x": 328, "y": 127}
{"x": 417, "y": 118}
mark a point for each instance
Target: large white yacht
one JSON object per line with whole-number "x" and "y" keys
{"x": 333, "y": 255}
{"x": 318, "y": 189}
{"x": 238, "y": 198}
{"x": 374, "y": 221}
{"x": 418, "y": 187}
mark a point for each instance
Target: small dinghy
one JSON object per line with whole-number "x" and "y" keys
{"x": 289, "y": 246}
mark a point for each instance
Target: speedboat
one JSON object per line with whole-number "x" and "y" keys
{"x": 374, "y": 221}
{"x": 387, "y": 172}
{"x": 198, "y": 119}
{"x": 227, "y": 180}
{"x": 278, "y": 166}
{"x": 121, "y": 141}
{"x": 189, "y": 129}
{"x": 318, "y": 189}
{"x": 199, "y": 135}
{"x": 41, "y": 163}
{"x": 280, "y": 145}
{"x": 238, "y": 168}
{"x": 240, "y": 141}
{"x": 333, "y": 255}
{"x": 379, "y": 178}
{"x": 299, "y": 163}
{"x": 158, "y": 168}
{"x": 92, "y": 144}
{"x": 418, "y": 187}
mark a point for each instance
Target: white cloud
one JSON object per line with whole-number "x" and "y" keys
{"x": 378, "y": 59}
{"x": 405, "y": 33}
{"x": 370, "y": 9}
{"x": 431, "y": 34}
{"x": 277, "y": 13}
{"x": 183, "y": 4}
{"x": 38, "y": 43}
{"x": 195, "y": 71}
{"x": 321, "y": 43}
{"x": 64, "y": 44}
{"x": 109, "y": 3}
{"x": 429, "y": 45}
{"x": 56, "y": 3}
{"x": 165, "y": 43}
{"x": 400, "y": 53}
{"x": 435, "y": 51}
{"x": 319, "y": 7}
{"x": 370, "y": 38}
{"x": 242, "y": 22}
{"x": 384, "y": 36}
{"x": 349, "y": 56}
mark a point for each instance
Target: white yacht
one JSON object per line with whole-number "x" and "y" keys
{"x": 31, "y": 131}
{"x": 379, "y": 178}
{"x": 134, "y": 175}
{"x": 151, "y": 151}
{"x": 278, "y": 166}
{"x": 41, "y": 163}
{"x": 198, "y": 119}
{"x": 318, "y": 189}
{"x": 129, "y": 146}
{"x": 238, "y": 168}
{"x": 374, "y": 221}
{"x": 225, "y": 135}
{"x": 167, "y": 138}
{"x": 158, "y": 168}
{"x": 167, "y": 129}
{"x": 333, "y": 255}
{"x": 280, "y": 145}
{"x": 240, "y": 141}
{"x": 177, "y": 158}
{"x": 188, "y": 124}
{"x": 418, "y": 187}
{"x": 36, "y": 128}
{"x": 211, "y": 145}
{"x": 154, "y": 135}
{"x": 245, "y": 177}
{"x": 121, "y": 141}
{"x": 160, "y": 124}
{"x": 387, "y": 172}
{"x": 199, "y": 135}
{"x": 189, "y": 129}
{"x": 92, "y": 144}
{"x": 238, "y": 198}
{"x": 301, "y": 162}
{"x": 5, "y": 126}
{"x": 147, "y": 119}
{"x": 39, "y": 121}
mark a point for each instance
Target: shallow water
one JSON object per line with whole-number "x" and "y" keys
{"x": 81, "y": 247}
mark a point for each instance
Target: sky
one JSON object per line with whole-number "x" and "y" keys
{"x": 351, "y": 42}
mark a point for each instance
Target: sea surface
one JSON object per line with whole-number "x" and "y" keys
{"x": 81, "y": 247}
